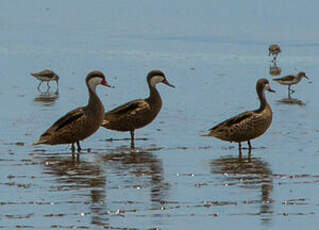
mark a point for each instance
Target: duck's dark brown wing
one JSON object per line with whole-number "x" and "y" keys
{"x": 131, "y": 107}
{"x": 240, "y": 118}
{"x": 125, "y": 115}
{"x": 67, "y": 119}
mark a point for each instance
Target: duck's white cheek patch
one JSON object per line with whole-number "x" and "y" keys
{"x": 93, "y": 82}
{"x": 156, "y": 79}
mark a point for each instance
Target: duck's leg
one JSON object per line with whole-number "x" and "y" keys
{"x": 132, "y": 139}
{"x": 249, "y": 155}
{"x": 79, "y": 147}
{"x": 240, "y": 153}
{"x": 73, "y": 148}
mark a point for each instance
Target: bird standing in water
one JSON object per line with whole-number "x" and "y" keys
{"x": 80, "y": 123}
{"x": 138, "y": 113}
{"x": 274, "y": 50}
{"x": 248, "y": 125}
{"x": 46, "y": 75}
{"x": 291, "y": 80}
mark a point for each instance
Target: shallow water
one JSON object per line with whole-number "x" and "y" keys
{"x": 213, "y": 53}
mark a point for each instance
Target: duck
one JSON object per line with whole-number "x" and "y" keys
{"x": 46, "y": 75}
{"x": 137, "y": 113}
{"x": 291, "y": 79}
{"x": 247, "y": 125}
{"x": 274, "y": 50}
{"x": 81, "y": 122}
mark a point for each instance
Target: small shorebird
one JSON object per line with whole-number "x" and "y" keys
{"x": 46, "y": 75}
{"x": 248, "y": 125}
{"x": 291, "y": 80}
{"x": 274, "y": 50}
{"x": 81, "y": 122}
{"x": 138, "y": 113}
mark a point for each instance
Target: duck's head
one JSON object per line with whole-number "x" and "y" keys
{"x": 263, "y": 84}
{"x": 302, "y": 74}
{"x": 96, "y": 78}
{"x": 156, "y": 76}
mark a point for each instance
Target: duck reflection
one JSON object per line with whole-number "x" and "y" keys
{"x": 274, "y": 70}
{"x": 248, "y": 173}
{"x": 142, "y": 164}
{"x": 47, "y": 97}
{"x": 71, "y": 174}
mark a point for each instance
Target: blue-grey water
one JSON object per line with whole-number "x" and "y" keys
{"x": 213, "y": 52}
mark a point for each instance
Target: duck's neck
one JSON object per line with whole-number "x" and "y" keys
{"x": 94, "y": 103}
{"x": 154, "y": 98}
{"x": 262, "y": 99}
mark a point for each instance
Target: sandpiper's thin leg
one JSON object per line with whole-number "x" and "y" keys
{"x": 290, "y": 89}
{"x": 239, "y": 145}
{"x": 289, "y": 93}
{"x": 73, "y": 148}
{"x": 39, "y": 85}
{"x": 48, "y": 84}
{"x": 79, "y": 147}
{"x": 249, "y": 144}
{"x": 132, "y": 139}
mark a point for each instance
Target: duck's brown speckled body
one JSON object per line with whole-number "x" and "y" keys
{"x": 138, "y": 113}
{"x": 81, "y": 122}
{"x": 248, "y": 125}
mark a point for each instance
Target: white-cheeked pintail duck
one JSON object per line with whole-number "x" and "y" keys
{"x": 248, "y": 125}
{"x": 291, "y": 79}
{"x": 46, "y": 75}
{"x": 80, "y": 123}
{"x": 138, "y": 113}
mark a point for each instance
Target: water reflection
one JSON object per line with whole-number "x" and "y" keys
{"x": 72, "y": 174}
{"x": 274, "y": 70}
{"x": 47, "y": 97}
{"x": 143, "y": 164}
{"x": 291, "y": 101}
{"x": 248, "y": 173}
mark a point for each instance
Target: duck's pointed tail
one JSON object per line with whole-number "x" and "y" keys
{"x": 204, "y": 134}
{"x": 39, "y": 142}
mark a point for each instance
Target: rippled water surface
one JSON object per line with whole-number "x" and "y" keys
{"x": 213, "y": 53}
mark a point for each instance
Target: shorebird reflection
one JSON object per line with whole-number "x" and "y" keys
{"x": 274, "y": 70}
{"x": 291, "y": 101}
{"x": 47, "y": 97}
